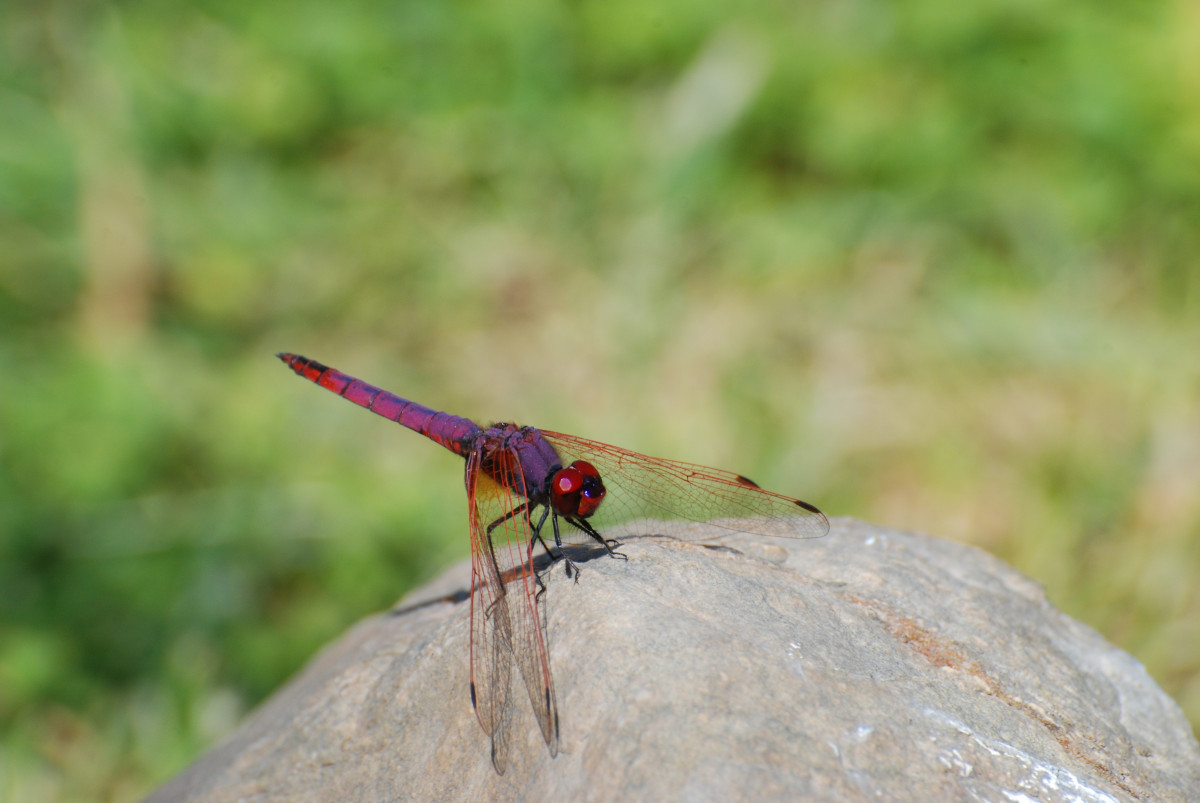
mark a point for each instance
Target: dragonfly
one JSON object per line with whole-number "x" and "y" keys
{"x": 519, "y": 479}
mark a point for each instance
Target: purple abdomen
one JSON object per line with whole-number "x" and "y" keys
{"x": 452, "y": 431}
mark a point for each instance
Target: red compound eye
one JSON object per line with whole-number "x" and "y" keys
{"x": 585, "y": 468}
{"x": 577, "y": 490}
{"x": 567, "y": 482}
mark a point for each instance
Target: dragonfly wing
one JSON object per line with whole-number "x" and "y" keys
{"x": 491, "y": 634}
{"x": 643, "y": 487}
{"x": 509, "y": 623}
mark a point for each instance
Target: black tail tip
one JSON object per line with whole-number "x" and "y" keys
{"x": 285, "y": 355}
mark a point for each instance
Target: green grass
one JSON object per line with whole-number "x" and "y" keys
{"x": 929, "y": 265}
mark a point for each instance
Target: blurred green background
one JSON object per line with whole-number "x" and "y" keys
{"x": 929, "y": 264}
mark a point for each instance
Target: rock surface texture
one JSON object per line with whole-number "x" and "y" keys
{"x": 867, "y": 665}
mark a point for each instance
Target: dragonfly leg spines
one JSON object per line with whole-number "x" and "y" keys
{"x": 521, "y": 508}
{"x": 571, "y": 568}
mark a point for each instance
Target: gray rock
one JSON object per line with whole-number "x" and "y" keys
{"x": 869, "y": 664}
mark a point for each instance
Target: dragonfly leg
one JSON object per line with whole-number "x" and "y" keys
{"x": 540, "y": 584}
{"x": 610, "y": 544}
{"x": 537, "y": 528}
{"x": 521, "y": 508}
{"x": 571, "y": 567}
{"x": 537, "y": 533}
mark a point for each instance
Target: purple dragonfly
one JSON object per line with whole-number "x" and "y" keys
{"x": 518, "y": 479}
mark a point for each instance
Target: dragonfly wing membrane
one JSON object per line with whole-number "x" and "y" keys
{"x": 491, "y": 635}
{"x": 502, "y": 552}
{"x": 643, "y": 487}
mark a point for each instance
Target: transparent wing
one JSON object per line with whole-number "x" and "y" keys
{"x": 507, "y": 618}
{"x": 643, "y": 487}
{"x": 491, "y": 632}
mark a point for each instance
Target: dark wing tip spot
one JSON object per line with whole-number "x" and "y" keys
{"x": 747, "y": 481}
{"x": 808, "y": 507}
{"x": 473, "y": 705}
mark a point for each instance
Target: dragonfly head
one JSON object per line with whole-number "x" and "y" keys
{"x": 577, "y": 490}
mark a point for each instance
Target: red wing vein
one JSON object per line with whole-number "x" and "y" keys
{"x": 491, "y": 628}
{"x": 649, "y": 487}
{"x": 511, "y": 545}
